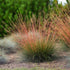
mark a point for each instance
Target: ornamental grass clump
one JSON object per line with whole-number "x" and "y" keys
{"x": 36, "y": 40}
{"x": 62, "y": 28}
{"x": 35, "y": 44}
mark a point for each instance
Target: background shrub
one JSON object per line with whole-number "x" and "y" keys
{"x": 10, "y": 8}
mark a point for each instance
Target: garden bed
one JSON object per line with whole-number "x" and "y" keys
{"x": 63, "y": 62}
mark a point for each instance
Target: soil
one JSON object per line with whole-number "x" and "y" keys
{"x": 63, "y": 62}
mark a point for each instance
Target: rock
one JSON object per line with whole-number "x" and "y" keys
{"x": 3, "y": 60}
{"x": 8, "y": 44}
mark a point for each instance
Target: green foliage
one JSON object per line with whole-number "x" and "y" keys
{"x": 68, "y": 2}
{"x": 10, "y": 8}
{"x": 39, "y": 52}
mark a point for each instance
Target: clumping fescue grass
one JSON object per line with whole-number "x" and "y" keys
{"x": 35, "y": 44}
{"x": 36, "y": 47}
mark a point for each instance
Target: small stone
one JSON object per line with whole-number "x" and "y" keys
{"x": 3, "y": 60}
